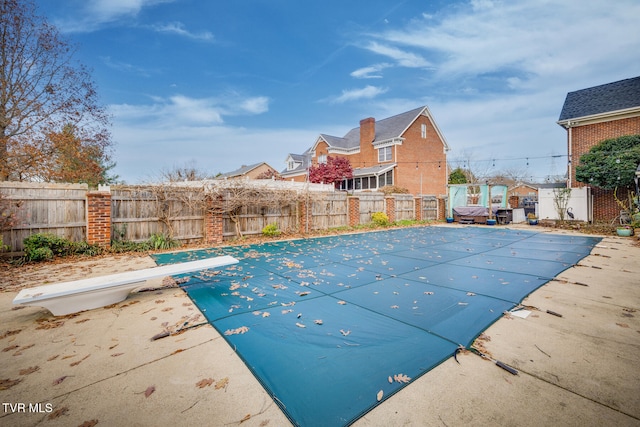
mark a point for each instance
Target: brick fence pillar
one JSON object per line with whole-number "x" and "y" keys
{"x": 442, "y": 208}
{"x": 390, "y": 207}
{"x": 99, "y": 218}
{"x": 417, "y": 208}
{"x": 304, "y": 218}
{"x": 354, "y": 211}
{"x": 213, "y": 223}
{"x": 514, "y": 201}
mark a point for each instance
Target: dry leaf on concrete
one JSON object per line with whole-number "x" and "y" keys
{"x": 149, "y": 391}
{"x": 204, "y": 383}
{"x": 29, "y": 370}
{"x": 222, "y": 383}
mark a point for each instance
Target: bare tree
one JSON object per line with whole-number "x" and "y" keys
{"x": 42, "y": 93}
{"x": 188, "y": 172}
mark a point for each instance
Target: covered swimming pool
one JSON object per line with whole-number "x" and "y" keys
{"x": 333, "y": 326}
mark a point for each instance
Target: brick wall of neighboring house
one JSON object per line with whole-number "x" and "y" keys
{"x": 99, "y": 218}
{"x": 582, "y": 139}
{"x": 422, "y": 163}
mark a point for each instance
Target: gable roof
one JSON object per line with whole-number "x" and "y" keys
{"x": 386, "y": 129}
{"x": 243, "y": 170}
{"x": 598, "y": 100}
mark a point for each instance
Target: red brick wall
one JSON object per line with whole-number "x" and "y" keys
{"x": 99, "y": 218}
{"x": 417, "y": 206}
{"x": 581, "y": 140}
{"x": 353, "y": 211}
{"x": 422, "y": 163}
{"x": 390, "y": 207}
{"x": 213, "y": 221}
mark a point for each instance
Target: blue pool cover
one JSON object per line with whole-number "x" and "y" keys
{"x": 328, "y": 325}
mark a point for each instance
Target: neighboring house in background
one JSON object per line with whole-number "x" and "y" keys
{"x": 250, "y": 172}
{"x": 407, "y": 150}
{"x": 592, "y": 115}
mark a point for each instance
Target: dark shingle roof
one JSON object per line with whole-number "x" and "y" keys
{"x": 601, "y": 99}
{"x": 391, "y": 127}
{"x": 241, "y": 171}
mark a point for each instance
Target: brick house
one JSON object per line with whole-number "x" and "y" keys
{"x": 249, "y": 172}
{"x": 592, "y": 115}
{"x": 407, "y": 150}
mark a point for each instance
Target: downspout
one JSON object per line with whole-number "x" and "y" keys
{"x": 569, "y": 163}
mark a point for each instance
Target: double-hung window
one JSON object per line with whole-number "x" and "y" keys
{"x": 384, "y": 154}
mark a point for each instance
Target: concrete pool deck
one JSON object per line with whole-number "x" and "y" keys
{"x": 102, "y": 365}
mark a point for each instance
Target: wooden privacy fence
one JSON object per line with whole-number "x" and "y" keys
{"x": 138, "y": 212}
{"x": 404, "y": 207}
{"x": 134, "y": 213}
{"x": 43, "y": 208}
{"x": 429, "y": 208}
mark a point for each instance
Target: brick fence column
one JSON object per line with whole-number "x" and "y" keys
{"x": 353, "y": 210}
{"x": 417, "y": 208}
{"x": 213, "y": 223}
{"x": 442, "y": 208}
{"x": 390, "y": 207}
{"x": 514, "y": 201}
{"x": 303, "y": 219}
{"x": 99, "y": 218}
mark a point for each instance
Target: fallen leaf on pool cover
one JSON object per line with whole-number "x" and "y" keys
{"x": 395, "y": 306}
{"x": 345, "y": 333}
{"x": 342, "y": 302}
{"x": 318, "y": 321}
{"x": 240, "y": 330}
{"x": 401, "y": 378}
{"x": 379, "y": 396}
{"x": 204, "y": 383}
{"x": 266, "y": 314}
{"x": 300, "y": 325}
{"x": 302, "y": 294}
{"x": 390, "y": 379}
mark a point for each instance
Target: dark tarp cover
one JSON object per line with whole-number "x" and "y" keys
{"x": 325, "y": 323}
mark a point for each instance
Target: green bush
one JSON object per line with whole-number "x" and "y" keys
{"x": 40, "y": 254}
{"x": 44, "y": 246}
{"x": 271, "y": 230}
{"x": 159, "y": 241}
{"x": 380, "y": 218}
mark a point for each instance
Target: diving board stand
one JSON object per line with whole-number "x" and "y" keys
{"x": 86, "y": 294}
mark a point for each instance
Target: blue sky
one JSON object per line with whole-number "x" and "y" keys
{"x": 219, "y": 84}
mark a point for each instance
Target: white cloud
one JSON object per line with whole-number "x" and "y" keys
{"x": 371, "y": 72}
{"x": 403, "y": 58}
{"x": 531, "y": 37}
{"x": 178, "y": 29}
{"x": 181, "y": 110}
{"x": 367, "y": 92}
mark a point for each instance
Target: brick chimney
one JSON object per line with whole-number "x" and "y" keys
{"x": 367, "y": 130}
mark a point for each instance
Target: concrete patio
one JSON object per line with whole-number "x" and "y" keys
{"x": 102, "y": 366}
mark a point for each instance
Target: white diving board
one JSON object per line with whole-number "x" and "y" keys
{"x": 86, "y": 294}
